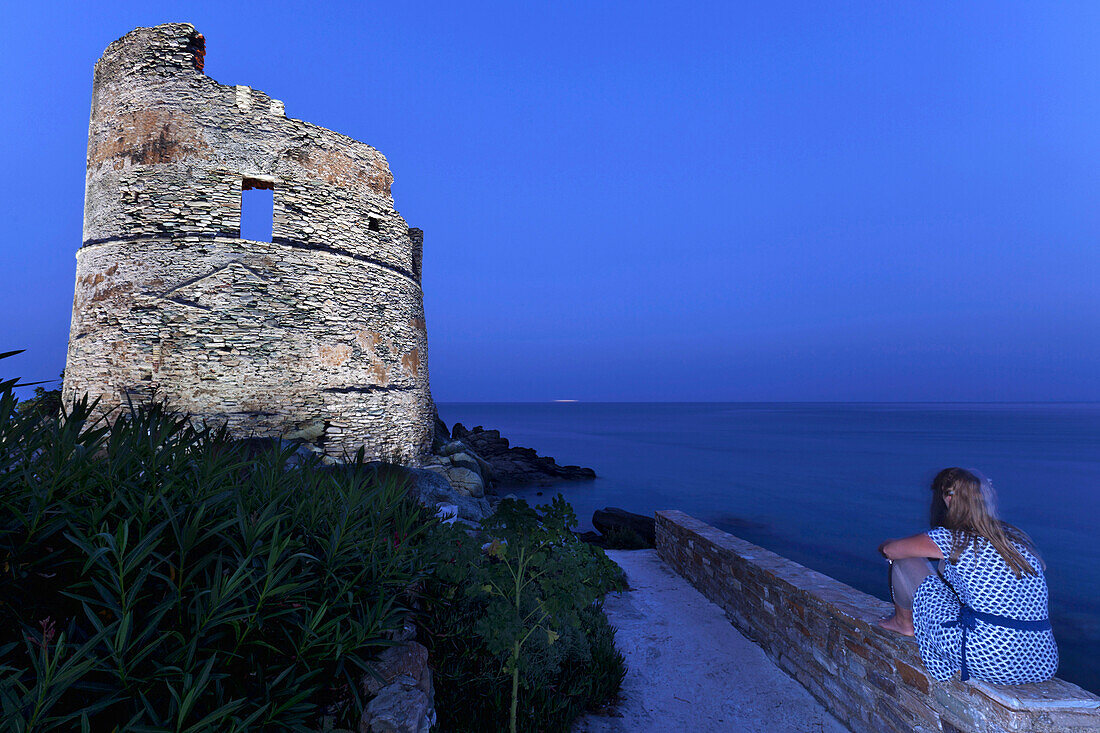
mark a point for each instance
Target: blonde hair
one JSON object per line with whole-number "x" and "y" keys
{"x": 972, "y": 518}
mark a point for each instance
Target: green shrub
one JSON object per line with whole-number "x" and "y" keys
{"x": 46, "y": 403}
{"x": 156, "y": 577}
{"x": 624, "y": 538}
{"x": 517, "y": 631}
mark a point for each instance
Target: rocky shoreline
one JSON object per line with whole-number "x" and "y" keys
{"x": 513, "y": 465}
{"x": 469, "y": 468}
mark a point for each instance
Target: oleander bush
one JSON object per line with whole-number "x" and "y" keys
{"x": 159, "y": 576}
{"x": 514, "y": 622}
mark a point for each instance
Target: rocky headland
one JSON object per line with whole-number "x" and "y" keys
{"x": 469, "y": 468}
{"x": 512, "y": 465}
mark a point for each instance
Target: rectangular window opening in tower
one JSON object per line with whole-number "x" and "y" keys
{"x": 373, "y": 224}
{"x": 257, "y": 209}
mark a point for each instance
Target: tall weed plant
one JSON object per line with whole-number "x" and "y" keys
{"x": 154, "y": 576}
{"x": 515, "y": 622}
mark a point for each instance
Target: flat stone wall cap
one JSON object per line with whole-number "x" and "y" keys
{"x": 837, "y": 597}
{"x": 1055, "y": 694}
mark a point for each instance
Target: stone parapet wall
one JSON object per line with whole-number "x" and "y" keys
{"x": 823, "y": 633}
{"x": 318, "y": 333}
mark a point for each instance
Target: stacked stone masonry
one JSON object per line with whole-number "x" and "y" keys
{"x": 319, "y": 332}
{"x": 823, "y": 633}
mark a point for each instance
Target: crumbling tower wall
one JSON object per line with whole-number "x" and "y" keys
{"x": 318, "y": 333}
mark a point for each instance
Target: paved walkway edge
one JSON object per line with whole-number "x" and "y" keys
{"x": 689, "y": 669}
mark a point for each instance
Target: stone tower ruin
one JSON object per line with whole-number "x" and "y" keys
{"x": 317, "y": 334}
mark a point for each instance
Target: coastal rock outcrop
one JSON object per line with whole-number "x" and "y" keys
{"x": 466, "y": 481}
{"x": 513, "y": 465}
{"x": 400, "y": 681}
{"x": 433, "y": 489}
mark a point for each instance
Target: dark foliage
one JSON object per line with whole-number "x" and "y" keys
{"x": 155, "y": 578}
{"x": 46, "y": 403}
{"x": 520, "y": 622}
{"x": 159, "y": 576}
{"x": 624, "y": 538}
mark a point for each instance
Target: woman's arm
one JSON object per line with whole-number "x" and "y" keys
{"x": 919, "y": 545}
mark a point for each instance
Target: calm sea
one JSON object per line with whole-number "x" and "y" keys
{"x": 823, "y": 484}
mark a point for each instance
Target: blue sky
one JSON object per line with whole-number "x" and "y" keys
{"x": 656, "y": 201}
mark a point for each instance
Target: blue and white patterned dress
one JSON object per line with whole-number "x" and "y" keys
{"x": 984, "y": 582}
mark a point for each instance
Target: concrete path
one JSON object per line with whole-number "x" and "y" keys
{"x": 689, "y": 669}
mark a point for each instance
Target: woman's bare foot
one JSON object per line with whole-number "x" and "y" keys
{"x": 897, "y": 625}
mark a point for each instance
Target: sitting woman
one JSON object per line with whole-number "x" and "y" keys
{"x": 983, "y": 613}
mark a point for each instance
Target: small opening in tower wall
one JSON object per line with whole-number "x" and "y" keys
{"x": 373, "y": 224}
{"x": 257, "y": 209}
